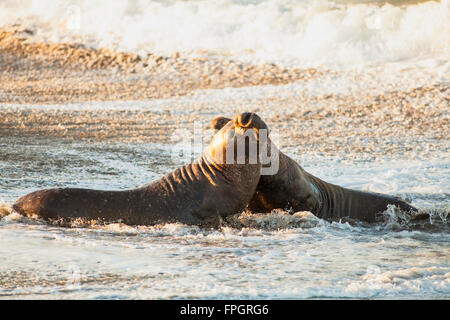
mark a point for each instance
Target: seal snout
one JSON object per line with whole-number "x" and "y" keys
{"x": 249, "y": 120}
{"x": 243, "y": 120}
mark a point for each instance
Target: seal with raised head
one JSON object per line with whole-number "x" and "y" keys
{"x": 202, "y": 193}
{"x": 292, "y": 188}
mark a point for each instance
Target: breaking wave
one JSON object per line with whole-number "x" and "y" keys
{"x": 301, "y": 33}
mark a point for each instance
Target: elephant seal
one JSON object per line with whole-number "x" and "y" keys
{"x": 200, "y": 193}
{"x": 292, "y": 188}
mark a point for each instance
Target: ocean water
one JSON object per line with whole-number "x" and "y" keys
{"x": 274, "y": 256}
{"x": 376, "y": 46}
{"x": 301, "y": 33}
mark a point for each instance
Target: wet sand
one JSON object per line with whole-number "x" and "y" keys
{"x": 394, "y": 123}
{"x": 37, "y": 72}
{"x": 411, "y": 121}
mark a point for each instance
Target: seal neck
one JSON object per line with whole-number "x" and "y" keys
{"x": 232, "y": 174}
{"x": 210, "y": 170}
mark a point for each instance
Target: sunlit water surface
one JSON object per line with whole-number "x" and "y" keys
{"x": 299, "y": 257}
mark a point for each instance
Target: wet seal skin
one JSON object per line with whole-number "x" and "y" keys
{"x": 218, "y": 184}
{"x": 292, "y": 188}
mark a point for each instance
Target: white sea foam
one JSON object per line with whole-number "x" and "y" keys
{"x": 332, "y": 260}
{"x": 300, "y": 33}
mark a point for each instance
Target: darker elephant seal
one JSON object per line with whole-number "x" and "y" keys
{"x": 294, "y": 189}
{"x": 200, "y": 193}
